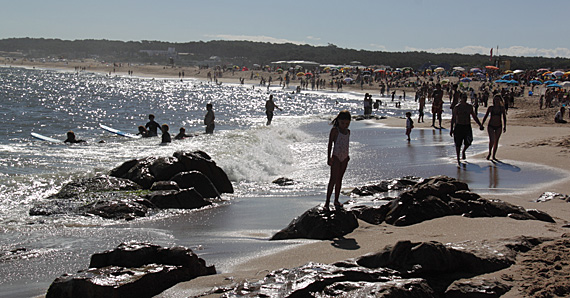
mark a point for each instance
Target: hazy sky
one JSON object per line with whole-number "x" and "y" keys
{"x": 518, "y": 27}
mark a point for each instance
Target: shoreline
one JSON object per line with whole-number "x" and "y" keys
{"x": 528, "y": 139}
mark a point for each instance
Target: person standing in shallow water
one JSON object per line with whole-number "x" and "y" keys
{"x": 209, "y": 119}
{"x": 269, "y": 108}
{"x": 461, "y": 126}
{"x": 339, "y": 138}
{"x": 497, "y": 124}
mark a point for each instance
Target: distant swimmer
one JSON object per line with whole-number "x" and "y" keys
{"x": 152, "y": 126}
{"x": 209, "y": 119}
{"x": 71, "y": 138}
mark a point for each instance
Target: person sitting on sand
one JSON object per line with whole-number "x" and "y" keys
{"x": 165, "y": 134}
{"x": 143, "y": 132}
{"x": 182, "y": 134}
{"x": 461, "y": 126}
{"x": 559, "y": 117}
{"x": 71, "y": 138}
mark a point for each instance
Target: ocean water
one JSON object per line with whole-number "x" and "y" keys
{"x": 53, "y": 102}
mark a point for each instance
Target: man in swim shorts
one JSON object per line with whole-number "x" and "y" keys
{"x": 461, "y": 126}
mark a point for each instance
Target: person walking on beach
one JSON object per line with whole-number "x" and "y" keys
{"x": 209, "y": 119}
{"x": 269, "y": 108}
{"x": 339, "y": 138}
{"x": 461, "y": 126}
{"x": 409, "y": 124}
{"x": 497, "y": 124}
{"x": 437, "y": 105}
{"x": 152, "y": 126}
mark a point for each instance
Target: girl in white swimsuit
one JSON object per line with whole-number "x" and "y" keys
{"x": 338, "y": 160}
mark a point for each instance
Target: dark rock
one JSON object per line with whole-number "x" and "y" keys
{"x": 317, "y": 223}
{"x": 395, "y": 288}
{"x": 441, "y": 196}
{"x": 165, "y": 185}
{"x": 202, "y": 162}
{"x": 198, "y": 181}
{"x": 132, "y": 270}
{"x": 184, "y": 199}
{"x": 371, "y": 214}
{"x": 547, "y": 196}
{"x": 164, "y": 168}
{"x": 476, "y": 288}
{"x": 118, "y": 209}
{"x": 283, "y": 181}
{"x": 385, "y": 186}
{"x": 94, "y": 184}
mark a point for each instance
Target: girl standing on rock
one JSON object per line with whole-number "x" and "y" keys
{"x": 339, "y": 136}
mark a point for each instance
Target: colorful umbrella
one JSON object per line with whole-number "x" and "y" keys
{"x": 491, "y": 67}
{"x": 535, "y": 82}
{"x": 554, "y": 85}
{"x": 466, "y": 80}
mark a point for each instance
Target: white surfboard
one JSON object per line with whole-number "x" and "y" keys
{"x": 44, "y": 138}
{"x": 118, "y": 132}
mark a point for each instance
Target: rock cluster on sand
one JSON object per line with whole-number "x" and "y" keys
{"x": 182, "y": 181}
{"x": 131, "y": 270}
{"x": 406, "y": 269}
{"x": 431, "y": 198}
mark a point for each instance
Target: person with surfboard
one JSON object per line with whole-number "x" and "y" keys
{"x": 71, "y": 138}
{"x": 152, "y": 126}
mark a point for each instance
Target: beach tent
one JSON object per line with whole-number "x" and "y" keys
{"x": 554, "y": 86}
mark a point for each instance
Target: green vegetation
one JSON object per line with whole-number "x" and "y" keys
{"x": 246, "y": 53}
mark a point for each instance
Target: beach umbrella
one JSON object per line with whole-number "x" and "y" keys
{"x": 500, "y": 81}
{"x": 549, "y": 82}
{"x": 512, "y": 82}
{"x": 475, "y": 69}
{"x": 459, "y": 68}
{"x": 481, "y": 74}
{"x": 535, "y": 82}
{"x": 554, "y": 85}
{"x": 565, "y": 83}
{"x": 491, "y": 67}
{"x": 439, "y": 69}
{"x": 348, "y": 80}
{"x": 300, "y": 74}
{"x": 444, "y": 81}
{"x": 518, "y": 71}
{"x": 308, "y": 74}
{"x": 379, "y": 70}
{"x": 543, "y": 69}
{"x": 506, "y": 77}
{"x": 466, "y": 80}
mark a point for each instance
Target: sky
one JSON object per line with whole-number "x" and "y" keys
{"x": 517, "y": 27}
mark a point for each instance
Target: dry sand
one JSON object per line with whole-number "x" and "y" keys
{"x": 531, "y": 136}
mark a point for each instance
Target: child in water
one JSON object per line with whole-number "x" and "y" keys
{"x": 165, "y": 134}
{"x": 182, "y": 134}
{"x": 143, "y": 132}
{"x": 338, "y": 160}
{"x": 409, "y": 124}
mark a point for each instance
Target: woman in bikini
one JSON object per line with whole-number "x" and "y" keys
{"x": 497, "y": 124}
{"x": 338, "y": 160}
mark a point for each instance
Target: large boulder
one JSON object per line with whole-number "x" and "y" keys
{"x": 173, "y": 199}
{"x": 202, "y": 162}
{"x": 131, "y": 270}
{"x": 149, "y": 170}
{"x": 198, "y": 181}
{"x": 317, "y": 223}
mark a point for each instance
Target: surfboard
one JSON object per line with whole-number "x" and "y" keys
{"x": 118, "y": 132}
{"x": 44, "y": 138}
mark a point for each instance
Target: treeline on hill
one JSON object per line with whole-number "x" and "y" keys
{"x": 248, "y": 52}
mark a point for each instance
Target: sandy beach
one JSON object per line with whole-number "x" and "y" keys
{"x": 531, "y": 136}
